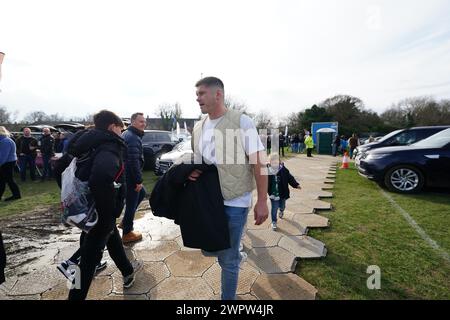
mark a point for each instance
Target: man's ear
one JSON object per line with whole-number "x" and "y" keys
{"x": 111, "y": 127}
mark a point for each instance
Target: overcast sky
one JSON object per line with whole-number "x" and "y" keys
{"x": 76, "y": 57}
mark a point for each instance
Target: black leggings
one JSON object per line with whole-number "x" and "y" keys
{"x": 7, "y": 177}
{"x": 103, "y": 233}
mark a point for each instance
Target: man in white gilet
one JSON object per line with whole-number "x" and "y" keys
{"x": 229, "y": 139}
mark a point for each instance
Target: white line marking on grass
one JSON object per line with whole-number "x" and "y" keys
{"x": 416, "y": 227}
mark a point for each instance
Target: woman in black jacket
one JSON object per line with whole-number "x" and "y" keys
{"x": 279, "y": 181}
{"x": 103, "y": 169}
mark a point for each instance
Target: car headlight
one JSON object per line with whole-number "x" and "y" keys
{"x": 376, "y": 156}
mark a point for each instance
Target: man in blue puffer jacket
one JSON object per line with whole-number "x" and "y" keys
{"x": 134, "y": 163}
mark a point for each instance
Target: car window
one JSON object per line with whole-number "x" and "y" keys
{"x": 404, "y": 138}
{"x": 149, "y": 137}
{"x": 163, "y": 136}
{"x": 438, "y": 140}
{"x": 389, "y": 135}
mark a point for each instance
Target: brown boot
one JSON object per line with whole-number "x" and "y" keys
{"x": 132, "y": 236}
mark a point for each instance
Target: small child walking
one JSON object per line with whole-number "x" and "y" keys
{"x": 279, "y": 181}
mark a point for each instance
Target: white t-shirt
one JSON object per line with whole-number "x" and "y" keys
{"x": 252, "y": 144}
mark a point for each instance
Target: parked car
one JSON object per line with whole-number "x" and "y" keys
{"x": 165, "y": 161}
{"x": 155, "y": 143}
{"x": 400, "y": 137}
{"x": 408, "y": 169}
{"x": 70, "y": 127}
{"x": 38, "y": 128}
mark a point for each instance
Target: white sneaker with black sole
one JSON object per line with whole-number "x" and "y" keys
{"x": 68, "y": 268}
{"x": 128, "y": 281}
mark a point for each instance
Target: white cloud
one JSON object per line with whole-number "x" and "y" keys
{"x": 77, "y": 57}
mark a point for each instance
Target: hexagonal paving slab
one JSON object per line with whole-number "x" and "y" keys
{"x": 303, "y": 247}
{"x": 247, "y": 276}
{"x": 283, "y": 287}
{"x": 157, "y": 250}
{"x": 272, "y": 260}
{"x": 36, "y": 282}
{"x": 311, "y": 220}
{"x": 263, "y": 238}
{"x": 151, "y": 274}
{"x": 290, "y": 227}
{"x": 189, "y": 263}
{"x": 179, "y": 288}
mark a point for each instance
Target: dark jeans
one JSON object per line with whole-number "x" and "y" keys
{"x": 281, "y": 151}
{"x": 24, "y": 161}
{"x": 7, "y": 177}
{"x": 103, "y": 233}
{"x": 47, "y": 166}
{"x": 308, "y": 152}
{"x": 132, "y": 203}
{"x": 277, "y": 204}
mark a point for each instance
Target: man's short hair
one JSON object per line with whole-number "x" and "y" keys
{"x": 210, "y": 82}
{"x": 103, "y": 119}
{"x": 135, "y": 115}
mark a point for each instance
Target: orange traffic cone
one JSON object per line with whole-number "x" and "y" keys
{"x": 345, "y": 161}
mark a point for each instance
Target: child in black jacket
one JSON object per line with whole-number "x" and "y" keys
{"x": 279, "y": 181}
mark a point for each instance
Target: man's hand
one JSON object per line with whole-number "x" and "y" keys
{"x": 22, "y": 154}
{"x": 261, "y": 212}
{"x": 138, "y": 187}
{"x": 194, "y": 175}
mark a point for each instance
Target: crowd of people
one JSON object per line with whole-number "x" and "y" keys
{"x": 111, "y": 160}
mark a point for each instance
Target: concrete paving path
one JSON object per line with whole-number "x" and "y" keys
{"x": 172, "y": 271}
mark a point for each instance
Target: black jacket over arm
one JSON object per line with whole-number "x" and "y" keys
{"x": 197, "y": 206}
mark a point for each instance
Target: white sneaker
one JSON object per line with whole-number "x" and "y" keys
{"x": 274, "y": 226}
{"x": 244, "y": 257}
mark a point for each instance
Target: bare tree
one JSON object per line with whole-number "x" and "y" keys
{"x": 169, "y": 113}
{"x": 5, "y": 116}
{"x": 36, "y": 117}
{"x": 263, "y": 120}
{"x": 232, "y": 103}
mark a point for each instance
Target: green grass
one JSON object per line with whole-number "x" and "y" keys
{"x": 42, "y": 195}
{"x": 367, "y": 230}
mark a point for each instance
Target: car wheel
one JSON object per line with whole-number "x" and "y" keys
{"x": 404, "y": 179}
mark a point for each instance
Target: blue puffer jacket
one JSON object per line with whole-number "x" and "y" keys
{"x": 134, "y": 158}
{"x": 7, "y": 150}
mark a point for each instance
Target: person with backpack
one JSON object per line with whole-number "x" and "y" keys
{"x": 67, "y": 267}
{"x": 104, "y": 148}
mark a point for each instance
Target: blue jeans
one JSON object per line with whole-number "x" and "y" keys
{"x": 230, "y": 259}
{"x": 132, "y": 203}
{"x": 277, "y": 204}
{"x": 47, "y": 166}
{"x": 23, "y": 162}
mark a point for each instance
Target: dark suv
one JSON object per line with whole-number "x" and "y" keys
{"x": 408, "y": 169}
{"x": 155, "y": 143}
{"x": 401, "y": 137}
